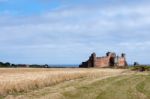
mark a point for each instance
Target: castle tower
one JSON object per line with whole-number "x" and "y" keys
{"x": 93, "y": 59}
{"x": 108, "y": 53}
{"x": 123, "y": 55}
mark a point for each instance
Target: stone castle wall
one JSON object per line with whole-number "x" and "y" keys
{"x": 108, "y": 61}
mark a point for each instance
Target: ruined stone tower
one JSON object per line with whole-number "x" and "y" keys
{"x": 108, "y": 61}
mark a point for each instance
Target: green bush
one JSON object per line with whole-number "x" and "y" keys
{"x": 140, "y": 68}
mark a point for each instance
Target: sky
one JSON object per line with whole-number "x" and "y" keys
{"x": 68, "y": 31}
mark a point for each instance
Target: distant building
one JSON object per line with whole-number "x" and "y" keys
{"x": 109, "y": 61}
{"x": 136, "y": 64}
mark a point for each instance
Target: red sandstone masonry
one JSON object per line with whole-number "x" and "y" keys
{"x": 108, "y": 61}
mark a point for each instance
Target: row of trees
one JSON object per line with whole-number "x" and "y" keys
{"x": 7, "y": 65}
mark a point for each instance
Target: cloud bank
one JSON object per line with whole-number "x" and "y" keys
{"x": 69, "y": 33}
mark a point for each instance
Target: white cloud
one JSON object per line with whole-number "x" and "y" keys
{"x": 79, "y": 30}
{"x": 144, "y": 45}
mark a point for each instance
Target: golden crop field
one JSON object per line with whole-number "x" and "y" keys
{"x": 14, "y": 80}
{"x": 73, "y": 83}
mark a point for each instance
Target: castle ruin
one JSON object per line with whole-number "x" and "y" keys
{"x": 111, "y": 60}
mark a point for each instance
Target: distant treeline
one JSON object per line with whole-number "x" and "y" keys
{"x": 140, "y": 68}
{"x": 8, "y": 65}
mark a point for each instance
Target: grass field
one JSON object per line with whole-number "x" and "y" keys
{"x": 74, "y": 83}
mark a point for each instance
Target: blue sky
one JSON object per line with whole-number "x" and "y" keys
{"x": 68, "y": 31}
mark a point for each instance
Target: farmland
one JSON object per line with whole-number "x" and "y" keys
{"x": 73, "y": 83}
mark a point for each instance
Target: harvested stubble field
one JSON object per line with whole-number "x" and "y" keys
{"x": 73, "y": 83}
